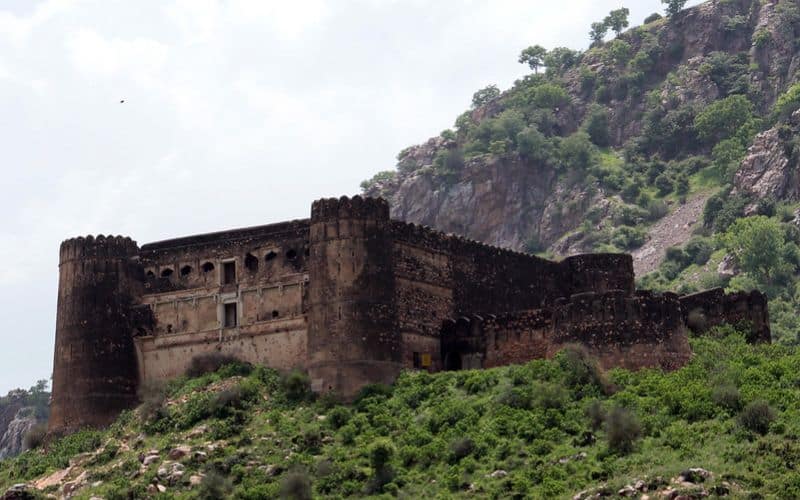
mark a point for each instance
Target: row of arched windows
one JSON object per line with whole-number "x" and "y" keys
{"x": 251, "y": 263}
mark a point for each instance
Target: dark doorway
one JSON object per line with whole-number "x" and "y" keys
{"x": 230, "y": 315}
{"x": 462, "y": 344}
{"x": 229, "y": 273}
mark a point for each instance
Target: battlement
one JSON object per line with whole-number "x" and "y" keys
{"x": 327, "y": 209}
{"x": 97, "y": 247}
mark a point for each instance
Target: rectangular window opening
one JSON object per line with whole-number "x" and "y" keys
{"x": 417, "y": 360}
{"x": 230, "y": 315}
{"x": 229, "y": 273}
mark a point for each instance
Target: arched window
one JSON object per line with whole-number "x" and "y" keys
{"x": 151, "y": 274}
{"x": 186, "y": 270}
{"x": 208, "y": 267}
{"x": 251, "y": 263}
{"x": 274, "y": 314}
{"x": 166, "y": 273}
{"x": 291, "y": 254}
{"x": 270, "y": 255}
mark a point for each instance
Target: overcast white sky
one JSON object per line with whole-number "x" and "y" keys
{"x": 236, "y": 113}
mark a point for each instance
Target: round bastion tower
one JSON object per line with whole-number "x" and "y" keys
{"x": 353, "y": 337}
{"x": 94, "y": 367}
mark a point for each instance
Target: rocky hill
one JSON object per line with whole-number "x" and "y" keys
{"x": 21, "y": 412}
{"x": 726, "y": 425}
{"x": 635, "y": 145}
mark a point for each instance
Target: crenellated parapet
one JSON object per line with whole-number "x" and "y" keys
{"x": 328, "y": 209}
{"x": 97, "y": 247}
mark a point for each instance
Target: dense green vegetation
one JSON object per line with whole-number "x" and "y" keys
{"x": 555, "y": 427}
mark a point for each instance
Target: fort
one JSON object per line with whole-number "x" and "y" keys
{"x": 352, "y": 297}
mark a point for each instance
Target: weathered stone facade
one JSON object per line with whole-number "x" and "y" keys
{"x": 353, "y": 297}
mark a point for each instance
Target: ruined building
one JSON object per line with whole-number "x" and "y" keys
{"x": 352, "y": 297}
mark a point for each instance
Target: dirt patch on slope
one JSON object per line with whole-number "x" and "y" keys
{"x": 674, "y": 229}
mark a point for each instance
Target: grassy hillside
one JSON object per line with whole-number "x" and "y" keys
{"x": 547, "y": 429}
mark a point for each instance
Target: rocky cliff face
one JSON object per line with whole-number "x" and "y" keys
{"x": 770, "y": 168}
{"x": 506, "y": 200}
{"x": 12, "y": 441}
{"x": 503, "y": 201}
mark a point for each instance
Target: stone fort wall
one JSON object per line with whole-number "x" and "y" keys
{"x": 352, "y": 297}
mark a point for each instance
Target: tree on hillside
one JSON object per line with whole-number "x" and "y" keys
{"x": 760, "y": 248}
{"x": 673, "y": 6}
{"x": 724, "y": 119}
{"x": 534, "y": 57}
{"x": 484, "y": 95}
{"x": 560, "y": 59}
{"x": 617, "y": 20}
{"x": 598, "y": 32}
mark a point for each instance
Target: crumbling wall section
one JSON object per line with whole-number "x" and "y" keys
{"x": 644, "y": 330}
{"x": 707, "y": 309}
{"x": 632, "y": 331}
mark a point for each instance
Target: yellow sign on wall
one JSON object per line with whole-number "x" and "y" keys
{"x": 426, "y": 360}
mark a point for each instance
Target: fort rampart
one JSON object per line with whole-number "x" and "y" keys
{"x": 352, "y": 297}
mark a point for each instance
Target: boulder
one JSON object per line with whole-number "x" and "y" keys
{"x": 179, "y": 452}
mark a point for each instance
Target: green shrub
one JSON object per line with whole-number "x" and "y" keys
{"x": 596, "y": 414}
{"x": 628, "y": 238}
{"x": 677, "y": 255}
{"x": 213, "y": 361}
{"x": 380, "y": 454}
{"x": 761, "y": 38}
{"x": 461, "y": 448}
{"x": 699, "y": 249}
{"x": 296, "y": 485}
{"x": 596, "y": 125}
{"x": 580, "y": 368}
{"x": 515, "y": 397}
{"x": 479, "y": 381}
{"x": 550, "y": 96}
{"x": 35, "y": 437}
{"x": 787, "y": 103}
{"x": 622, "y": 430}
{"x": 655, "y": 16}
{"x": 296, "y": 385}
{"x": 657, "y": 209}
{"x": 618, "y": 52}
{"x": 485, "y": 96}
{"x": 757, "y": 416}
{"x": 724, "y": 118}
{"x": 577, "y": 151}
{"x": 534, "y": 146}
{"x": 727, "y": 396}
{"x": 338, "y": 417}
{"x": 664, "y": 184}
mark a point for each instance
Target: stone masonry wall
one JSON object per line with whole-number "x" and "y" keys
{"x": 704, "y": 310}
{"x": 187, "y": 290}
{"x": 643, "y": 330}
